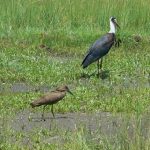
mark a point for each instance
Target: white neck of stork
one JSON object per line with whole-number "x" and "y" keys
{"x": 112, "y": 27}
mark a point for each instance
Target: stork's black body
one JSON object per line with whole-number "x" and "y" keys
{"x": 101, "y": 47}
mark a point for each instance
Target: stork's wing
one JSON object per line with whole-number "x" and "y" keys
{"x": 99, "y": 49}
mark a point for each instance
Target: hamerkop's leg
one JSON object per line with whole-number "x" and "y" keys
{"x": 43, "y": 113}
{"x": 52, "y": 111}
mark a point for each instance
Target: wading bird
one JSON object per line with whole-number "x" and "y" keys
{"x": 101, "y": 47}
{"x": 51, "y": 98}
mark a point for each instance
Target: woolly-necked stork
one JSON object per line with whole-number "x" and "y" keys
{"x": 102, "y": 46}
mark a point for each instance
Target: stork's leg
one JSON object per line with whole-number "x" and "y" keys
{"x": 117, "y": 42}
{"x": 98, "y": 67}
{"x": 43, "y": 113}
{"x": 52, "y": 111}
{"x": 101, "y": 63}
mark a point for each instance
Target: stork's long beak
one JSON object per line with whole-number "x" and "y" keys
{"x": 116, "y": 24}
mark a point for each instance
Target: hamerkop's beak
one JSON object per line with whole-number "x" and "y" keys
{"x": 70, "y": 92}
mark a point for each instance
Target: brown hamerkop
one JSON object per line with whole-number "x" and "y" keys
{"x": 51, "y": 98}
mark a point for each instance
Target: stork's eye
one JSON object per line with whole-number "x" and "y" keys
{"x": 113, "y": 19}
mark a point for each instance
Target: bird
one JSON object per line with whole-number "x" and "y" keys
{"x": 101, "y": 46}
{"x": 51, "y": 98}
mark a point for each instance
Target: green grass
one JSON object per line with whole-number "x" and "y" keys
{"x": 78, "y": 21}
{"x": 66, "y": 29}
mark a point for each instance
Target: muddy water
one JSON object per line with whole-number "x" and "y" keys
{"x": 105, "y": 123}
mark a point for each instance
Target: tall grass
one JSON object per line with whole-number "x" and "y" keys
{"x": 20, "y": 18}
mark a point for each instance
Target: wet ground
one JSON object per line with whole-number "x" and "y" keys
{"x": 23, "y": 87}
{"x": 102, "y": 123}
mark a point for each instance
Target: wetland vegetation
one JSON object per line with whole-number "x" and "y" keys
{"x": 42, "y": 44}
